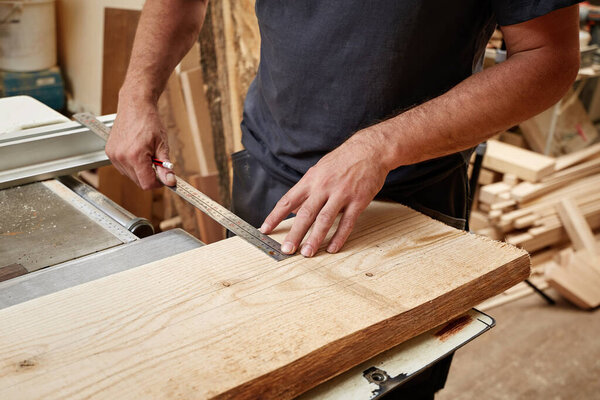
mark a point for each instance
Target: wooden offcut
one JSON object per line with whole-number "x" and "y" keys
{"x": 578, "y": 282}
{"x": 227, "y": 321}
{"x": 577, "y": 228}
{"x": 525, "y": 164}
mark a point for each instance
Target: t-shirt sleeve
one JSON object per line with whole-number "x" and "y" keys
{"x": 510, "y": 12}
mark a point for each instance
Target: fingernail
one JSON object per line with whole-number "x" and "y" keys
{"x": 170, "y": 178}
{"x": 264, "y": 228}
{"x": 307, "y": 250}
{"x": 287, "y": 248}
{"x": 332, "y": 248}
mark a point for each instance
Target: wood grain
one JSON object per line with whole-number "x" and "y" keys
{"x": 227, "y": 321}
{"x": 12, "y": 271}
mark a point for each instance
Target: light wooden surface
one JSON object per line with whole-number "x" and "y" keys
{"x": 578, "y": 282}
{"x": 525, "y": 164}
{"x": 225, "y": 320}
{"x": 192, "y": 85}
{"x": 576, "y": 226}
{"x": 576, "y": 157}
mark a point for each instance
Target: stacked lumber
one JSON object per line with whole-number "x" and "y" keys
{"x": 521, "y": 200}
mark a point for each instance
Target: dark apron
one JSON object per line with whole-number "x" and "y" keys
{"x": 255, "y": 193}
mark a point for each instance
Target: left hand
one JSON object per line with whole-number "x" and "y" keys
{"x": 343, "y": 181}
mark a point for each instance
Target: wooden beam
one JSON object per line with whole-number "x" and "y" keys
{"x": 192, "y": 85}
{"x": 527, "y": 191}
{"x": 576, "y": 157}
{"x": 577, "y": 228}
{"x": 227, "y": 321}
{"x": 525, "y": 164}
{"x": 119, "y": 31}
{"x": 577, "y": 282}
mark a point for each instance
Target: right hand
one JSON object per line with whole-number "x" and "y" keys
{"x": 136, "y": 136}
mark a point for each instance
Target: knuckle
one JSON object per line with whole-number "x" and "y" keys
{"x": 306, "y": 213}
{"x": 131, "y": 154}
{"x": 284, "y": 201}
{"x": 326, "y": 217}
{"x": 146, "y": 185}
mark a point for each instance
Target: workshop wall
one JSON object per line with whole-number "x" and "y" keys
{"x": 80, "y": 26}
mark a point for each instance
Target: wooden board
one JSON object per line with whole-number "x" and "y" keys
{"x": 11, "y": 271}
{"x": 578, "y": 282}
{"x": 192, "y": 85}
{"x": 210, "y": 230}
{"x": 525, "y": 164}
{"x": 577, "y": 227}
{"x": 576, "y": 157}
{"x": 227, "y": 321}
{"x": 119, "y": 31}
{"x": 527, "y": 191}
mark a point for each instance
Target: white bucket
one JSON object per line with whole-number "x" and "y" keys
{"x": 27, "y": 35}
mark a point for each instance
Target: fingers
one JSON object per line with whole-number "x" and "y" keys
{"x": 305, "y": 217}
{"x": 142, "y": 168}
{"x": 135, "y": 137}
{"x": 322, "y": 224}
{"x": 119, "y": 160}
{"x": 291, "y": 201}
{"x": 166, "y": 176}
{"x": 345, "y": 226}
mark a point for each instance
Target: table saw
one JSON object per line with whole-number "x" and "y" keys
{"x": 57, "y": 232}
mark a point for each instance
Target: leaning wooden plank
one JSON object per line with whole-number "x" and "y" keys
{"x": 576, "y": 157}
{"x": 227, "y": 321}
{"x": 525, "y": 164}
{"x": 192, "y": 85}
{"x": 576, "y": 226}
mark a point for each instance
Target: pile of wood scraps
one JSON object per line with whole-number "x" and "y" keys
{"x": 521, "y": 199}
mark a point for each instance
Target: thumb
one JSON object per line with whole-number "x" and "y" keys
{"x": 165, "y": 175}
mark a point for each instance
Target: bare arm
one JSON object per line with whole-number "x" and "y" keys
{"x": 166, "y": 31}
{"x": 543, "y": 60}
{"x": 542, "y": 64}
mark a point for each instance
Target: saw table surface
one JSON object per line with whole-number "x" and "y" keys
{"x": 41, "y": 227}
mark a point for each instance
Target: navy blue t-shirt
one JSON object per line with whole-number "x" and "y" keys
{"x": 329, "y": 68}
